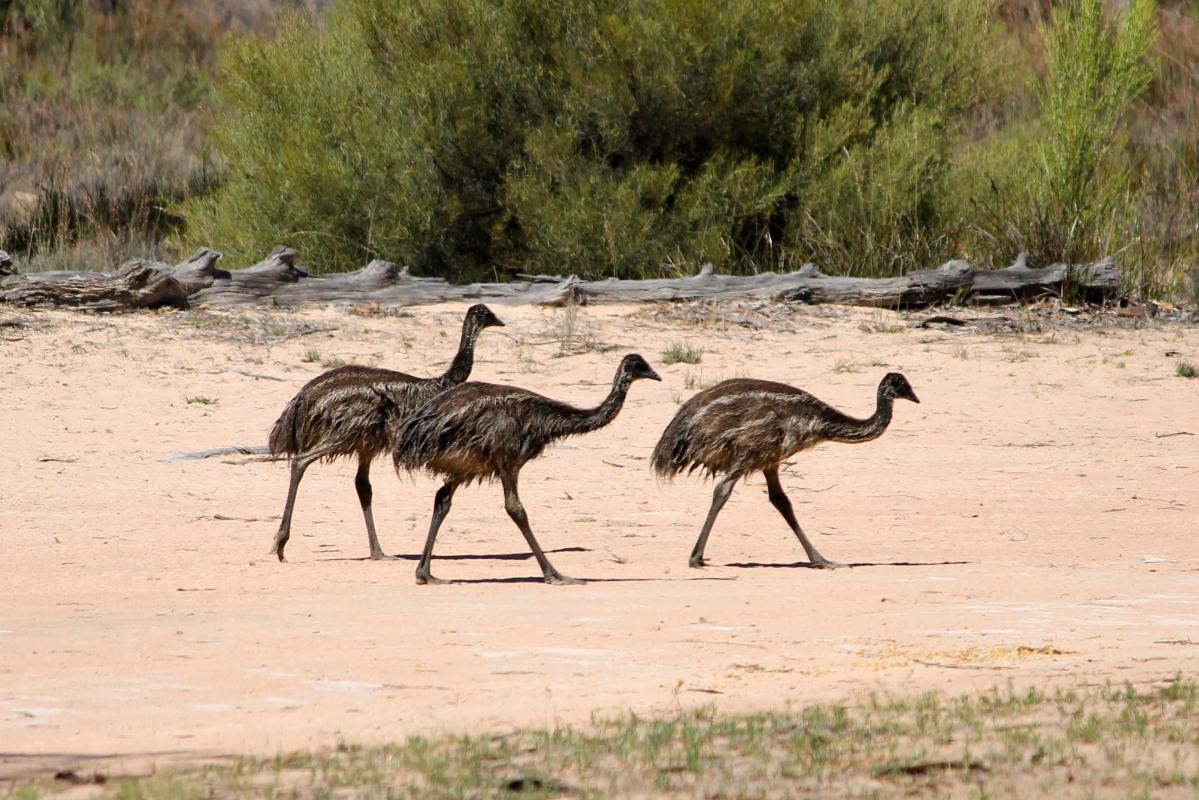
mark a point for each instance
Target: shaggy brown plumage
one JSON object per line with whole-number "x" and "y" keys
{"x": 483, "y": 432}
{"x": 744, "y": 425}
{"x": 356, "y": 411}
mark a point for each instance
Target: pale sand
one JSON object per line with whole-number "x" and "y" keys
{"x": 1024, "y": 524}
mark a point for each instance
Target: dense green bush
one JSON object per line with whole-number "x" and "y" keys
{"x": 604, "y": 137}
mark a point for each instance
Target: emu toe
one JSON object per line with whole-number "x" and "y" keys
{"x": 558, "y": 579}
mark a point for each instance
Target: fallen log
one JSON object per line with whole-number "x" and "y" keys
{"x": 1095, "y": 283}
{"x": 281, "y": 280}
{"x": 134, "y": 285}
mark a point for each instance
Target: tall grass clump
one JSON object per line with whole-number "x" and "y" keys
{"x": 103, "y": 109}
{"x": 606, "y": 138}
{"x": 1070, "y": 185}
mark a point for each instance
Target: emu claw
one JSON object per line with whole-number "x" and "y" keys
{"x": 558, "y": 579}
{"x": 427, "y": 578}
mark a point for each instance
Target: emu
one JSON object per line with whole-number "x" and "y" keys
{"x": 481, "y": 431}
{"x": 744, "y": 425}
{"x": 355, "y": 411}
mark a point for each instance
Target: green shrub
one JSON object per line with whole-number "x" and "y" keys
{"x": 606, "y": 138}
{"x": 1069, "y": 195}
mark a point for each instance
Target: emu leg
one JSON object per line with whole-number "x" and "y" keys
{"x": 298, "y": 465}
{"x": 362, "y": 483}
{"x": 720, "y": 496}
{"x": 441, "y": 507}
{"x": 516, "y": 511}
{"x": 778, "y": 498}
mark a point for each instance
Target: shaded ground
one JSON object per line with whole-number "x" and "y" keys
{"x": 1030, "y": 522}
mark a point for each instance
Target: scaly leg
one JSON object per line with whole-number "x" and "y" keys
{"x": 298, "y": 465}
{"x": 779, "y": 500}
{"x": 362, "y": 483}
{"x": 441, "y": 507}
{"x": 720, "y": 496}
{"x": 517, "y": 512}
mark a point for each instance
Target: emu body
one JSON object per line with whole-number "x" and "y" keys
{"x": 744, "y": 425}
{"x": 356, "y": 411}
{"x": 485, "y": 432}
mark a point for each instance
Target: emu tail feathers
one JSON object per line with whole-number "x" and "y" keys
{"x": 284, "y": 437}
{"x": 671, "y": 453}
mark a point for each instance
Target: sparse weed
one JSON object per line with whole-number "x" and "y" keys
{"x": 333, "y": 362}
{"x": 199, "y": 399}
{"x": 1101, "y": 741}
{"x": 682, "y": 353}
{"x": 311, "y": 356}
{"x": 1185, "y": 369}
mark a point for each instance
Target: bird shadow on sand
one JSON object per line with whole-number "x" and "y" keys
{"x": 810, "y": 565}
{"x": 465, "y": 556}
{"x": 586, "y": 581}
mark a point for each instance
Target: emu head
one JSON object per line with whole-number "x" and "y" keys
{"x": 896, "y": 385}
{"x": 633, "y": 367}
{"x": 480, "y": 316}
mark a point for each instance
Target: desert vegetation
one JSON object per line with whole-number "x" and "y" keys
{"x": 468, "y": 138}
{"x": 1110, "y": 741}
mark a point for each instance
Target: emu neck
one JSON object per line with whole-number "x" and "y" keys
{"x": 464, "y": 359}
{"x": 863, "y": 430}
{"x": 583, "y": 421}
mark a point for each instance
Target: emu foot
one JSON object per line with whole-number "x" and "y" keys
{"x": 280, "y": 542}
{"x": 558, "y": 579}
{"x": 824, "y": 563}
{"x": 381, "y": 556}
{"x": 423, "y": 578}
{"x": 696, "y": 562}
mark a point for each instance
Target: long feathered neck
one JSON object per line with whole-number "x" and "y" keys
{"x": 848, "y": 429}
{"x": 464, "y": 359}
{"x": 578, "y": 420}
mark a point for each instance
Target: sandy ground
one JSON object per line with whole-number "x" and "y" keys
{"x": 1031, "y": 522}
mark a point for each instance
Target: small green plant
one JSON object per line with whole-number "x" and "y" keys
{"x": 199, "y": 399}
{"x": 845, "y": 365}
{"x": 682, "y": 353}
{"x": 333, "y": 362}
{"x": 1185, "y": 369}
{"x": 311, "y": 356}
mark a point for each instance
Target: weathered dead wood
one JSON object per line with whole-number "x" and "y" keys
{"x": 1096, "y": 282}
{"x": 134, "y": 285}
{"x": 253, "y": 284}
{"x": 915, "y": 290}
{"x": 199, "y": 271}
{"x": 245, "y": 450}
{"x": 281, "y": 280}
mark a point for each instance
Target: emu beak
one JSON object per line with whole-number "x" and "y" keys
{"x": 912, "y": 396}
{"x": 653, "y": 376}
